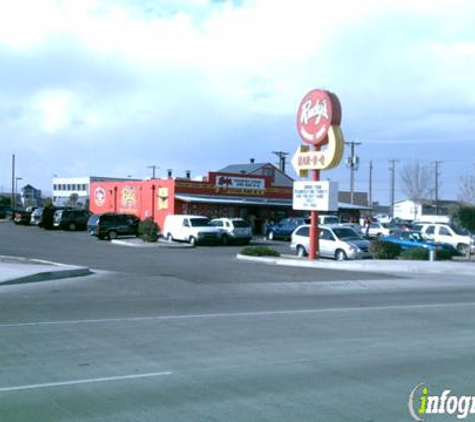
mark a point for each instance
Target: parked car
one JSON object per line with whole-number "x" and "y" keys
{"x": 193, "y": 229}
{"x": 233, "y": 230}
{"x": 47, "y": 217}
{"x": 285, "y": 228}
{"x": 407, "y": 239}
{"x": 6, "y": 211}
{"x": 111, "y": 225}
{"x": 335, "y": 241}
{"x": 383, "y": 218}
{"x": 71, "y": 219}
{"x": 459, "y": 238}
{"x": 328, "y": 219}
{"x": 22, "y": 215}
{"x": 36, "y": 216}
{"x": 376, "y": 229}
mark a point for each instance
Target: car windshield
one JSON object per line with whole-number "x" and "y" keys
{"x": 345, "y": 233}
{"x": 417, "y": 237}
{"x": 199, "y": 222}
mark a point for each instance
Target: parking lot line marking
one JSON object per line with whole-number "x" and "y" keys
{"x": 85, "y": 381}
{"x": 238, "y": 314}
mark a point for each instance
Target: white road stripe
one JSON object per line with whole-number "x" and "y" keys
{"x": 85, "y": 381}
{"x": 239, "y": 314}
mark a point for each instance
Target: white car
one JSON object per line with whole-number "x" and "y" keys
{"x": 335, "y": 241}
{"x": 233, "y": 230}
{"x": 460, "y": 239}
{"x": 376, "y": 230}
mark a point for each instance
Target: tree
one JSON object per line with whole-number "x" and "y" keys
{"x": 465, "y": 216}
{"x": 415, "y": 181}
{"x": 467, "y": 189}
{"x": 72, "y": 200}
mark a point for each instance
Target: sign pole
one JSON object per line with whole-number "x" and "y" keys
{"x": 314, "y": 247}
{"x": 318, "y": 124}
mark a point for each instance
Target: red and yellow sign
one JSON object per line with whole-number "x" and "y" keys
{"x": 304, "y": 159}
{"x": 318, "y": 124}
{"x": 318, "y": 110}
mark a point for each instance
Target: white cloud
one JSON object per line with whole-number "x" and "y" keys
{"x": 195, "y": 71}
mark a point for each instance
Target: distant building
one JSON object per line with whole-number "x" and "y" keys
{"x": 30, "y": 196}
{"x": 77, "y": 189}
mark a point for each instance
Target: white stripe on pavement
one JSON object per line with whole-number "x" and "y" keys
{"x": 239, "y": 314}
{"x": 85, "y": 381}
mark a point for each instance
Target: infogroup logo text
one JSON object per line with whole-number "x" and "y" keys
{"x": 421, "y": 403}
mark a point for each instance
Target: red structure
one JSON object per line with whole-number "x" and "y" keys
{"x": 260, "y": 194}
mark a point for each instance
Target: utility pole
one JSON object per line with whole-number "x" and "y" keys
{"x": 281, "y": 155}
{"x": 13, "y": 198}
{"x": 370, "y": 199}
{"x": 352, "y": 162}
{"x": 436, "y": 190}
{"x": 154, "y": 167}
{"x": 392, "y": 169}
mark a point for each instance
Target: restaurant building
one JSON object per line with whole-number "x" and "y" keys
{"x": 259, "y": 192}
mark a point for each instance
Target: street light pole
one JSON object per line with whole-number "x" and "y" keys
{"x": 16, "y": 188}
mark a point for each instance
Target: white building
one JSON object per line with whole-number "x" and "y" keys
{"x": 425, "y": 210}
{"x": 64, "y": 187}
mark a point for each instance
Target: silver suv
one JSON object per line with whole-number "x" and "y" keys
{"x": 233, "y": 230}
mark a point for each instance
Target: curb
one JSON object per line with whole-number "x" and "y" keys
{"x": 55, "y": 271}
{"x": 132, "y": 243}
{"x": 47, "y": 276}
{"x": 376, "y": 266}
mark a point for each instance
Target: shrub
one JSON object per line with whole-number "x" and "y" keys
{"x": 443, "y": 255}
{"x": 384, "y": 250}
{"x": 416, "y": 254}
{"x": 148, "y": 230}
{"x": 259, "y": 251}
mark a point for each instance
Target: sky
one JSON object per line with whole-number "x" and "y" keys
{"x": 111, "y": 87}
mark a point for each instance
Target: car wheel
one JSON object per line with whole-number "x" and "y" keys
{"x": 462, "y": 249}
{"x": 301, "y": 252}
{"x": 270, "y": 236}
{"x": 112, "y": 235}
{"x": 224, "y": 239}
{"x": 340, "y": 255}
{"x": 169, "y": 237}
{"x": 72, "y": 226}
{"x": 192, "y": 241}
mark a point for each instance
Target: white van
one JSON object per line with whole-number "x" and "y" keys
{"x": 193, "y": 229}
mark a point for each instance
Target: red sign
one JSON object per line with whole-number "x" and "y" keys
{"x": 318, "y": 110}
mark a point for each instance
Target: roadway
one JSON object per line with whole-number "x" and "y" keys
{"x": 162, "y": 334}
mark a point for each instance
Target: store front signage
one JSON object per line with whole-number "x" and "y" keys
{"x": 99, "y": 196}
{"x": 315, "y": 196}
{"x": 247, "y": 183}
{"x": 317, "y": 112}
{"x": 304, "y": 159}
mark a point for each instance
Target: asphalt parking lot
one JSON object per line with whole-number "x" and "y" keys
{"x": 167, "y": 334}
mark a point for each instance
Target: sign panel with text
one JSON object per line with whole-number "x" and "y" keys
{"x": 315, "y": 196}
